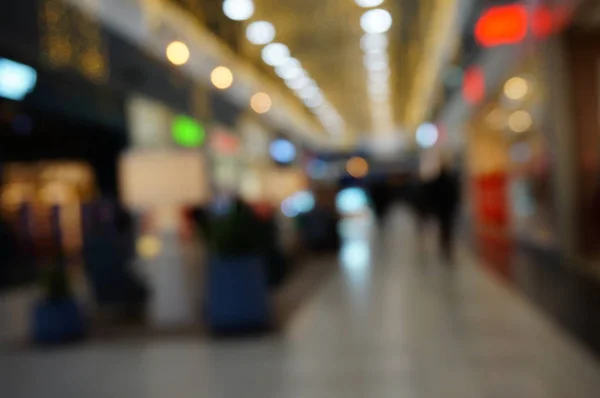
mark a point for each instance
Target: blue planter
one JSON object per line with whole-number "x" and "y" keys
{"x": 237, "y": 295}
{"x": 57, "y": 321}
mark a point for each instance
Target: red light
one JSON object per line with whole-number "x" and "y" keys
{"x": 224, "y": 143}
{"x": 473, "y": 85}
{"x": 502, "y": 25}
{"x": 542, "y": 23}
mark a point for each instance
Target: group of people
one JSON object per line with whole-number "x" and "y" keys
{"x": 436, "y": 199}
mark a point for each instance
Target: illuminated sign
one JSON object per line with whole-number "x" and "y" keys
{"x": 16, "y": 80}
{"x": 501, "y": 25}
{"x": 187, "y": 132}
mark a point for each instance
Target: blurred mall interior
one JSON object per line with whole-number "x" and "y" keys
{"x": 383, "y": 198}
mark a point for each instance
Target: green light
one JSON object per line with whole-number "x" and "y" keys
{"x": 187, "y": 132}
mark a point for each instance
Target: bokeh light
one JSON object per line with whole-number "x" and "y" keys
{"x": 260, "y": 102}
{"x": 275, "y": 54}
{"x": 315, "y": 101}
{"x": 187, "y": 132}
{"x": 282, "y": 151}
{"x": 178, "y": 53}
{"x": 368, "y": 3}
{"x": 148, "y": 246}
{"x": 351, "y": 200}
{"x": 355, "y": 255}
{"x": 16, "y": 79}
{"x": 291, "y": 69}
{"x": 303, "y": 201}
{"x": 238, "y": 10}
{"x": 427, "y": 135}
{"x": 288, "y": 209}
{"x": 376, "y": 21}
{"x": 357, "y": 167}
{"x": 516, "y": 88}
{"x": 260, "y": 33}
{"x": 221, "y": 77}
{"x": 520, "y": 121}
{"x": 374, "y": 43}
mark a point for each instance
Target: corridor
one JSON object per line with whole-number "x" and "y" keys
{"x": 388, "y": 323}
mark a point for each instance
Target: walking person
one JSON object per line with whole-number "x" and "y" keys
{"x": 445, "y": 194}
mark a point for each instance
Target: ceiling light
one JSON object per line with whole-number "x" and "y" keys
{"x": 178, "y": 53}
{"x": 315, "y": 101}
{"x": 275, "y": 54}
{"x": 368, "y": 3}
{"x": 221, "y": 77}
{"x": 260, "y": 102}
{"x": 291, "y": 69}
{"x": 376, "y": 66}
{"x": 376, "y": 21}
{"x": 375, "y": 61}
{"x": 297, "y": 83}
{"x": 238, "y": 10}
{"x": 520, "y": 121}
{"x": 427, "y": 135}
{"x": 308, "y": 91}
{"x": 379, "y": 98}
{"x": 516, "y": 88}
{"x": 379, "y": 76}
{"x": 374, "y": 43}
{"x": 378, "y": 88}
{"x": 260, "y": 33}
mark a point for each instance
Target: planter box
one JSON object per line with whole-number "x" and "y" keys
{"x": 237, "y": 295}
{"x": 57, "y": 321}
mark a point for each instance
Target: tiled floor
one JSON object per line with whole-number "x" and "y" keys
{"x": 390, "y": 323}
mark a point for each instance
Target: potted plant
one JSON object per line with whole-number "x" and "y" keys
{"x": 237, "y": 294}
{"x": 56, "y": 316}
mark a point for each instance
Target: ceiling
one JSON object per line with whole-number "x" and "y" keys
{"x": 325, "y": 37}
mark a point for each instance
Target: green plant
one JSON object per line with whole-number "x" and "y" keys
{"x": 236, "y": 233}
{"x": 54, "y": 279}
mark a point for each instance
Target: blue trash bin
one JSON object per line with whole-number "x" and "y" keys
{"x": 57, "y": 321}
{"x": 237, "y": 298}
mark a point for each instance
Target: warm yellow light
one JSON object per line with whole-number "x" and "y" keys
{"x": 57, "y": 193}
{"x": 357, "y": 167}
{"x": 178, "y": 53}
{"x": 520, "y": 121}
{"x": 516, "y": 88}
{"x": 148, "y": 246}
{"x": 221, "y": 77}
{"x": 260, "y": 102}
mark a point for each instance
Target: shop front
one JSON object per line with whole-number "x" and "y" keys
{"x": 513, "y": 169}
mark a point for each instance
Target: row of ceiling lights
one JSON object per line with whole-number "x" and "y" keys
{"x": 277, "y": 55}
{"x": 375, "y": 23}
{"x": 221, "y": 77}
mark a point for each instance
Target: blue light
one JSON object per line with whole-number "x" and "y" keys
{"x": 303, "y": 201}
{"x": 427, "y": 135}
{"x": 355, "y": 255}
{"x": 16, "y": 80}
{"x": 288, "y": 209}
{"x": 351, "y": 200}
{"x": 282, "y": 151}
